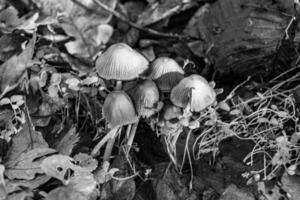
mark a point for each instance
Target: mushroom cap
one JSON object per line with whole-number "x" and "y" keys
{"x": 121, "y": 62}
{"x": 195, "y": 90}
{"x": 166, "y": 73}
{"x": 170, "y": 111}
{"x": 118, "y": 109}
{"x": 145, "y": 96}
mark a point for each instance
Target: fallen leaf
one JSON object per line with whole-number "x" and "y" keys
{"x": 54, "y": 7}
{"x": 3, "y": 192}
{"x": 21, "y": 195}
{"x": 13, "y": 186}
{"x": 158, "y": 11}
{"x": 291, "y": 185}
{"x": 232, "y": 192}
{"x": 9, "y": 17}
{"x": 23, "y": 142}
{"x": 10, "y": 44}
{"x": 63, "y": 168}
{"x": 86, "y": 161}
{"x": 5, "y": 101}
{"x": 27, "y": 165}
{"x": 14, "y": 68}
{"x": 57, "y": 165}
{"x": 65, "y": 193}
{"x": 67, "y": 143}
{"x": 87, "y": 28}
{"x": 90, "y": 80}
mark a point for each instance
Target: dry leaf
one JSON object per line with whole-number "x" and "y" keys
{"x": 233, "y": 192}
{"x": 63, "y": 168}
{"x": 159, "y": 11}
{"x": 3, "y": 191}
{"x": 67, "y": 143}
{"x": 25, "y": 141}
{"x": 21, "y": 195}
{"x": 14, "y": 68}
{"x": 27, "y": 165}
{"x": 19, "y": 185}
{"x": 65, "y": 193}
{"x": 291, "y": 185}
{"x": 86, "y": 161}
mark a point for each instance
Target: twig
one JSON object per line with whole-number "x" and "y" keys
{"x": 130, "y": 23}
{"x": 125, "y": 178}
{"x": 30, "y": 125}
{"x": 232, "y": 93}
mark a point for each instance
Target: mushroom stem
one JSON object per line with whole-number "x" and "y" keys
{"x": 108, "y": 149}
{"x": 131, "y": 135}
{"x": 118, "y": 85}
{"x": 110, "y": 134}
{"x": 110, "y": 145}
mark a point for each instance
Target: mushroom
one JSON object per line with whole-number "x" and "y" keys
{"x": 193, "y": 91}
{"x": 118, "y": 110}
{"x": 169, "y": 121}
{"x": 145, "y": 96}
{"x": 121, "y": 63}
{"x": 166, "y": 73}
{"x": 170, "y": 128}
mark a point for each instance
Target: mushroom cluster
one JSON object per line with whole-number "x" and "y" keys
{"x": 150, "y": 85}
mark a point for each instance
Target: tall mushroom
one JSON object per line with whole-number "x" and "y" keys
{"x": 170, "y": 128}
{"x": 145, "y": 96}
{"x": 118, "y": 110}
{"x": 193, "y": 91}
{"x": 166, "y": 73}
{"x": 121, "y": 63}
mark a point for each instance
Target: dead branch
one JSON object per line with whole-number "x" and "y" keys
{"x": 130, "y": 23}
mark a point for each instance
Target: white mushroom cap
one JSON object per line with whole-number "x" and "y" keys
{"x": 145, "y": 97}
{"x": 121, "y": 62}
{"x": 195, "y": 90}
{"x": 166, "y": 73}
{"x": 118, "y": 109}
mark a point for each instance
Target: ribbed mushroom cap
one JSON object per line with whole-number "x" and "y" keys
{"x": 121, "y": 62}
{"x": 166, "y": 73}
{"x": 194, "y": 90}
{"x": 118, "y": 109}
{"x": 145, "y": 97}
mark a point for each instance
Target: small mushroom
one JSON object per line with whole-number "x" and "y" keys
{"x": 118, "y": 109}
{"x": 145, "y": 96}
{"x": 121, "y": 63}
{"x": 193, "y": 91}
{"x": 166, "y": 73}
{"x": 169, "y": 121}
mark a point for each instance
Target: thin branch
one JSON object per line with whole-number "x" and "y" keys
{"x": 130, "y": 23}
